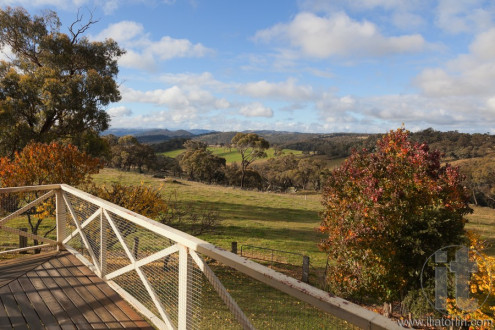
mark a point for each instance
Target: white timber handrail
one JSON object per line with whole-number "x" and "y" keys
{"x": 189, "y": 249}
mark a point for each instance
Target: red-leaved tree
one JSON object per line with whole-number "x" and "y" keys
{"x": 39, "y": 164}
{"x": 385, "y": 212}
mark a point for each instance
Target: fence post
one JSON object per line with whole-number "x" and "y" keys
{"x": 305, "y": 269}
{"x": 184, "y": 289}
{"x": 234, "y": 247}
{"x": 61, "y": 222}
{"x": 23, "y": 241}
{"x": 103, "y": 244}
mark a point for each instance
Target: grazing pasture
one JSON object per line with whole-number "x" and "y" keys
{"x": 230, "y": 154}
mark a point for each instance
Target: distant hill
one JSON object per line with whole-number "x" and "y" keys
{"x": 165, "y": 132}
{"x": 161, "y": 135}
{"x": 453, "y": 144}
{"x": 201, "y": 131}
{"x": 124, "y": 131}
{"x": 216, "y": 138}
{"x": 274, "y": 137}
{"x": 156, "y": 135}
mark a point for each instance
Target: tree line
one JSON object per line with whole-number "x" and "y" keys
{"x": 286, "y": 172}
{"x": 198, "y": 163}
{"x": 453, "y": 144}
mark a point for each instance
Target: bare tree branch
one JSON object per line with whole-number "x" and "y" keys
{"x": 75, "y": 33}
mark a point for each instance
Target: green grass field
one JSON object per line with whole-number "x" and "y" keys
{"x": 278, "y": 221}
{"x": 482, "y": 222}
{"x": 230, "y": 155}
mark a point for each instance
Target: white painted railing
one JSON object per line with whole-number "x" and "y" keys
{"x": 168, "y": 275}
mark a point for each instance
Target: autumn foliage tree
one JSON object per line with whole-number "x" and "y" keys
{"x": 39, "y": 164}
{"x": 385, "y": 212}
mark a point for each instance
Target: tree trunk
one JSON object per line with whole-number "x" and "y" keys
{"x": 242, "y": 178}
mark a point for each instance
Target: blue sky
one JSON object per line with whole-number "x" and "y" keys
{"x": 306, "y": 65}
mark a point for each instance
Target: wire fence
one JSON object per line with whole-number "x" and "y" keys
{"x": 175, "y": 280}
{"x": 28, "y": 223}
{"x": 294, "y": 264}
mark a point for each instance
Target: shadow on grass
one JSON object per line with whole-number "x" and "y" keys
{"x": 266, "y": 233}
{"x": 233, "y": 211}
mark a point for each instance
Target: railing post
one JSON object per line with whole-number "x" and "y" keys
{"x": 23, "y": 241}
{"x": 103, "y": 244}
{"x": 184, "y": 288}
{"x": 305, "y": 269}
{"x": 61, "y": 216}
{"x": 234, "y": 247}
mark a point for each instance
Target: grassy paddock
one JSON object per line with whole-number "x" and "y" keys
{"x": 277, "y": 221}
{"x": 230, "y": 154}
{"x": 482, "y": 222}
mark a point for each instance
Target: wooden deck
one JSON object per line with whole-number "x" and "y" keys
{"x": 56, "y": 291}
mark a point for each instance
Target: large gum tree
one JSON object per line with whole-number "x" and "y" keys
{"x": 54, "y": 85}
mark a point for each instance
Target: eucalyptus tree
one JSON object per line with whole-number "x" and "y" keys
{"x": 251, "y": 146}
{"x": 53, "y": 85}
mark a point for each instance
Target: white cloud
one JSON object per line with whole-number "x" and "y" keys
{"x": 458, "y": 16}
{"x": 168, "y": 48}
{"x": 416, "y": 111}
{"x": 176, "y": 98}
{"x": 491, "y": 104}
{"x": 329, "y": 6}
{"x": 338, "y": 34}
{"x": 483, "y": 47}
{"x": 287, "y": 90}
{"x": 468, "y": 75}
{"x": 144, "y": 53}
{"x": 256, "y": 110}
{"x": 407, "y": 21}
{"x": 122, "y": 32}
{"x": 120, "y": 111}
{"x": 405, "y": 15}
{"x": 193, "y": 80}
{"x": 328, "y": 102}
{"x": 6, "y": 53}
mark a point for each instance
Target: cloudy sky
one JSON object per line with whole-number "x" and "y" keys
{"x": 307, "y": 65}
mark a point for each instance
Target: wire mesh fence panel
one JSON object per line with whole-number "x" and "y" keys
{"x": 132, "y": 283}
{"x": 285, "y": 262}
{"x": 114, "y": 243}
{"x": 269, "y": 308}
{"x": 215, "y": 313}
{"x": 161, "y": 274}
{"x": 160, "y": 271}
{"x": 27, "y": 219}
{"x": 271, "y": 255}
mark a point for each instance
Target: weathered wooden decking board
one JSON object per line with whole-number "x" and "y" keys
{"x": 56, "y": 291}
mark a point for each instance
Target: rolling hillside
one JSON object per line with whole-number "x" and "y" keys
{"x": 231, "y": 155}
